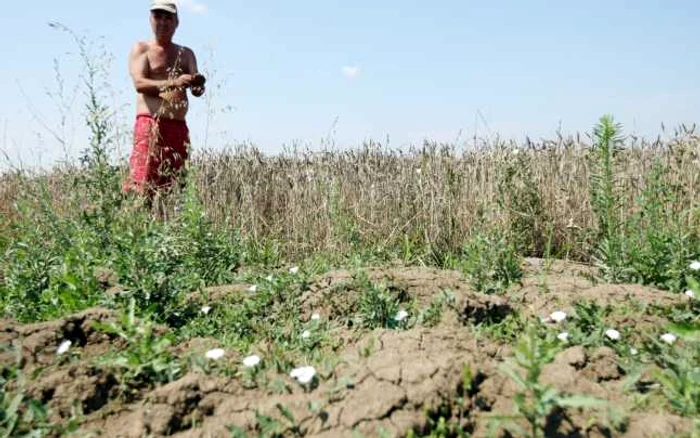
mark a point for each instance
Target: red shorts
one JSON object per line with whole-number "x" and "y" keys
{"x": 159, "y": 153}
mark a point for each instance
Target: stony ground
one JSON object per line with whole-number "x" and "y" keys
{"x": 377, "y": 383}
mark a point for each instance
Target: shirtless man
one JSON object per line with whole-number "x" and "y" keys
{"x": 162, "y": 71}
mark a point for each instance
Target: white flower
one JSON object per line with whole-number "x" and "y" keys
{"x": 612, "y": 334}
{"x": 293, "y": 270}
{"x": 564, "y": 336}
{"x": 419, "y": 171}
{"x": 558, "y": 316}
{"x": 690, "y": 294}
{"x": 215, "y": 354}
{"x": 206, "y": 310}
{"x": 695, "y": 266}
{"x": 305, "y": 334}
{"x": 269, "y": 278}
{"x": 315, "y": 317}
{"x": 251, "y": 361}
{"x": 401, "y": 315}
{"x": 669, "y": 338}
{"x": 634, "y": 351}
{"x": 303, "y": 374}
{"x": 64, "y": 347}
{"x": 515, "y": 151}
{"x": 253, "y": 289}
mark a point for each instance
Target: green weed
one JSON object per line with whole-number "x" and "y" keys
{"x": 604, "y": 192}
{"x": 145, "y": 358}
{"x": 432, "y": 315}
{"x": 378, "y": 304}
{"x": 659, "y": 242}
{"x": 536, "y": 401}
{"x": 491, "y": 262}
{"x": 23, "y": 416}
{"x": 678, "y": 369}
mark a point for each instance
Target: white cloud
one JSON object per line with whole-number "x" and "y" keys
{"x": 194, "y": 6}
{"x": 351, "y": 72}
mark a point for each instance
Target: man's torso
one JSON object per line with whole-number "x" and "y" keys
{"x": 164, "y": 64}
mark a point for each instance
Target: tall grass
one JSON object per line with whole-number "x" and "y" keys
{"x": 629, "y": 204}
{"x": 420, "y": 205}
{"x": 435, "y": 196}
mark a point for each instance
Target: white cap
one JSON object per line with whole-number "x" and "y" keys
{"x": 164, "y": 5}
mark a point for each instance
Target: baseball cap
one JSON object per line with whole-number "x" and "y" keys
{"x": 164, "y": 5}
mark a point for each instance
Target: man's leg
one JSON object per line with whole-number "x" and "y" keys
{"x": 144, "y": 161}
{"x": 175, "y": 152}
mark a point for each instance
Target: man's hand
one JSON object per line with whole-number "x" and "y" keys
{"x": 183, "y": 81}
{"x": 197, "y": 91}
{"x": 197, "y": 84}
{"x": 198, "y": 80}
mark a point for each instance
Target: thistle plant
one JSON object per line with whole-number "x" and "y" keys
{"x": 605, "y": 200}
{"x": 535, "y": 401}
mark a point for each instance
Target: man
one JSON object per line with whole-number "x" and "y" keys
{"x": 162, "y": 71}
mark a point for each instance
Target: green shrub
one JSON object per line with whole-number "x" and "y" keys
{"x": 491, "y": 263}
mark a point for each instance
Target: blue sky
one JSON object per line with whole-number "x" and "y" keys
{"x": 313, "y": 72}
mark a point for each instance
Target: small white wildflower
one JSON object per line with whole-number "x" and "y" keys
{"x": 419, "y": 171}
{"x": 515, "y": 151}
{"x": 305, "y": 334}
{"x": 558, "y": 316}
{"x": 253, "y": 289}
{"x": 690, "y": 294}
{"x": 315, "y": 317}
{"x": 669, "y": 338}
{"x": 303, "y": 374}
{"x": 695, "y": 266}
{"x": 215, "y": 354}
{"x": 634, "y": 351}
{"x": 64, "y": 347}
{"x": 206, "y": 310}
{"x": 269, "y": 278}
{"x": 251, "y": 361}
{"x": 401, "y": 315}
{"x": 293, "y": 270}
{"x": 564, "y": 336}
{"x": 612, "y": 334}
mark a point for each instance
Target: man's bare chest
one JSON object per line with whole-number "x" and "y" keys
{"x": 164, "y": 64}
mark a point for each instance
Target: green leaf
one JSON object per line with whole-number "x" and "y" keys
{"x": 286, "y": 413}
{"x": 687, "y": 331}
{"x": 581, "y": 401}
{"x": 13, "y": 409}
{"x": 514, "y": 375}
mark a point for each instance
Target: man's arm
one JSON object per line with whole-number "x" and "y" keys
{"x": 138, "y": 68}
{"x": 198, "y": 79}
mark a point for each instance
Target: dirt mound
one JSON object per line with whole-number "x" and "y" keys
{"x": 39, "y": 341}
{"x": 383, "y": 386}
{"x": 595, "y": 375}
{"x": 388, "y": 388}
{"x": 563, "y": 285}
{"x": 82, "y": 386}
{"x": 340, "y": 288}
{"x": 380, "y": 382}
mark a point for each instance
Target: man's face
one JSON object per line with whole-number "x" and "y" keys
{"x": 163, "y": 24}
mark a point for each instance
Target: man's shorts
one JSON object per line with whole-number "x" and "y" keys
{"x": 159, "y": 154}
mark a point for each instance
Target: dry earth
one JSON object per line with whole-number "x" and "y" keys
{"x": 385, "y": 380}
